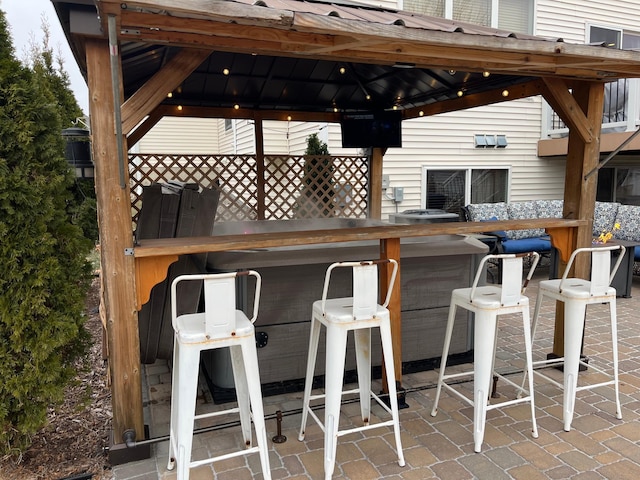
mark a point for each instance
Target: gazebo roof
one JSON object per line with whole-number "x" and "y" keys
{"x": 324, "y": 57}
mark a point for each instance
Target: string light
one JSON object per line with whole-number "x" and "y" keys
{"x": 225, "y": 71}
{"x": 170, "y": 94}
{"x": 421, "y": 113}
{"x": 505, "y": 93}
{"x": 485, "y": 74}
{"x": 180, "y": 107}
{"x": 342, "y": 70}
{"x": 460, "y": 93}
{"x": 236, "y": 107}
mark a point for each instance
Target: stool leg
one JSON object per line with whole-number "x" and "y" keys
{"x": 484, "y": 338}
{"x": 574, "y": 328}
{"x": 314, "y": 337}
{"x": 362, "y": 339}
{"x": 534, "y": 322}
{"x": 334, "y": 376}
{"x": 242, "y": 392}
{"x": 387, "y": 355}
{"x": 175, "y": 399}
{"x": 187, "y": 390}
{"x": 614, "y": 349}
{"x": 250, "y": 358}
{"x": 526, "y": 325}
{"x": 445, "y": 354}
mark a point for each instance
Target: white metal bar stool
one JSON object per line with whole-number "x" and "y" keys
{"x": 359, "y": 313}
{"x": 487, "y": 302}
{"x": 577, "y": 293}
{"x": 220, "y": 325}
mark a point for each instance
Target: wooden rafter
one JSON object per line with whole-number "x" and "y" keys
{"x": 155, "y": 90}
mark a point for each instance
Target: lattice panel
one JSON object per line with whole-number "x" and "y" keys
{"x": 294, "y": 187}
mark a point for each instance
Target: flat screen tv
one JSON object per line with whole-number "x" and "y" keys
{"x": 371, "y": 129}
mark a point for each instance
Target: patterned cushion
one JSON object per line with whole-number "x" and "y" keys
{"x": 628, "y": 217}
{"x": 604, "y": 217}
{"x": 549, "y": 208}
{"x": 520, "y": 211}
{"x": 479, "y": 212}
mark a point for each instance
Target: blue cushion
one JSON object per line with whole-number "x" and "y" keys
{"x": 636, "y": 254}
{"x": 526, "y": 245}
{"x": 501, "y": 234}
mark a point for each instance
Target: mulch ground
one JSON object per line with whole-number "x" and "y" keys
{"x": 73, "y": 443}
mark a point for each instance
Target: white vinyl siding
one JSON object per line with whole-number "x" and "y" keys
{"x": 568, "y": 18}
{"x": 181, "y": 135}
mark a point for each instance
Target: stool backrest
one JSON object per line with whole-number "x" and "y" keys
{"x": 511, "y": 281}
{"x": 219, "y": 300}
{"x": 365, "y": 290}
{"x": 601, "y": 272}
{"x": 512, "y": 287}
{"x": 365, "y": 286}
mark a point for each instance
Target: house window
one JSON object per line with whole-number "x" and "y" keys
{"x": 228, "y": 123}
{"x": 451, "y": 189}
{"x": 513, "y": 15}
{"x": 608, "y": 36}
{"x": 619, "y": 184}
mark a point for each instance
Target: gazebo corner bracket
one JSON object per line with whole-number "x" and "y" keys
{"x": 149, "y": 272}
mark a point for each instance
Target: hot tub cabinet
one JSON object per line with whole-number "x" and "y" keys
{"x": 430, "y": 268}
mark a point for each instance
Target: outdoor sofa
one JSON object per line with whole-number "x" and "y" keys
{"x": 606, "y": 215}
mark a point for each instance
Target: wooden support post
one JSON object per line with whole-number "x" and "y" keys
{"x": 116, "y": 235}
{"x": 580, "y": 192}
{"x": 390, "y": 249}
{"x": 375, "y": 183}
{"x": 259, "y": 138}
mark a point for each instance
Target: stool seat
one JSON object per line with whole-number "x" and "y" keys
{"x": 191, "y": 328}
{"x": 488, "y": 302}
{"x": 339, "y": 310}
{"x": 220, "y": 325}
{"x": 576, "y": 294}
{"x": 359, "y": 313}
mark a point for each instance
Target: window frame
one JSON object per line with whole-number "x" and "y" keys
{"x": 468, "y": 170}
{"x": 494, "y": 14}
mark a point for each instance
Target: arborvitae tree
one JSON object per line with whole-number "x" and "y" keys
{"x": 44, "y": 273}
{"x": 50, "y": 68}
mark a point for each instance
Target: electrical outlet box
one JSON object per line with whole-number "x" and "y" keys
{"x": 398, "y": 194}
{"x": 385, "y": 181}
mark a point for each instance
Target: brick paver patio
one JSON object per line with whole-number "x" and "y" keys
{"x": 598, "y": 446}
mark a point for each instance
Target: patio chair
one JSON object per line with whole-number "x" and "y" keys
{"x": 359, "y": 313}
{"x": 220, "y": 325}
{"x": 487, "y": 303}
{"x": 576, "y": 294}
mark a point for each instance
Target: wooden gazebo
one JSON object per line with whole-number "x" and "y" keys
{"x": 285, "y": 59}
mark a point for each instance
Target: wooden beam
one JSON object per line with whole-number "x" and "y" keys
{"x": 522, "y": 90}
{"x": 116, "y": 235}
{"x": 248, "y": 114}
{"x": 556, "y": 92}
{"x": 157, "y": 87}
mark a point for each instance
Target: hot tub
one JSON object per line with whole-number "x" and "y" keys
{"x": 293, "y": 277}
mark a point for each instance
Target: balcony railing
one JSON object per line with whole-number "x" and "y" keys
{"x": 621, "y": 112}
